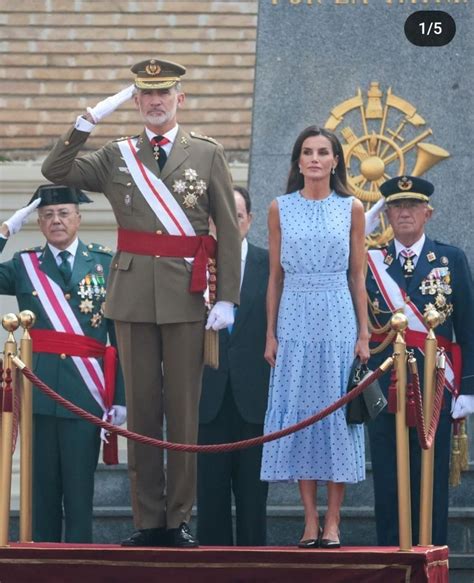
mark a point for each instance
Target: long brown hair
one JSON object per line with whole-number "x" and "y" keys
{"x": 337, "y": 181}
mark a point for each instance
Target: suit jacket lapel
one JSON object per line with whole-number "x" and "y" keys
{"x": 423, "y": 266}
{"x": 145, "y": 153}
{"x": 395, "y": 269}
{"x": 179, "y": 153}
{"x": 249, "y": 289}
{"x": 82, "y": 265}
{"x": 49, "y": 266}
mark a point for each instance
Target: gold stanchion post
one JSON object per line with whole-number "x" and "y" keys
{"x": 10, "y": 323}
{"x": 27, "y": 321}
{"x": 399, "y": 322}
{"x": 432, "y": 319}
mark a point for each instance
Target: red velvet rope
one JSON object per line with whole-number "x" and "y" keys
{"x": 221, "y": 447}
{"x": 426, "y": 440}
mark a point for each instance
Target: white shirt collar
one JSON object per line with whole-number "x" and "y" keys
{"x": 416, "y": 247}
{"x": 72, "y": 249}
{"x": 244, "y": 249}
{"x": 170, "y": 135}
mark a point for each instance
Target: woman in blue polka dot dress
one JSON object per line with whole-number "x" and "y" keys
{"x": 317, "y": 323}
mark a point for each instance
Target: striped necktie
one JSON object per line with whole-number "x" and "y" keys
{"x": 158, "y": 151}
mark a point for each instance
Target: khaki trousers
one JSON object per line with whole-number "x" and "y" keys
{"x": 162, "y": 367}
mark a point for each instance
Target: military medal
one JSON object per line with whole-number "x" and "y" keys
{"x": 408, "y": 266}
{"x": 444, "y": 260}
{"x": 388, "y": 260}
{"x": 96, "y": 320}
{"x": 190, "y": 188}
{"x": 86, "y": 306}
{"x": 431, "y": 256}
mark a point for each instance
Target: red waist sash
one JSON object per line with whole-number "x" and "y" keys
{"x": 201, "y": 247}
{"x": 416, "y": 339}
{"x": 53, "y": 342}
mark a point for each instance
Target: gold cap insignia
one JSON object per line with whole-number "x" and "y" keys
{"x": 153, "y": 68}
{"x": 404, "y": 183}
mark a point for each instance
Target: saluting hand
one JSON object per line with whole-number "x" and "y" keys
{"x": 18, "y": 219}
{"x": 110, "y": 104}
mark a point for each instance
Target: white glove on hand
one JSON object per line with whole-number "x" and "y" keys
{"x": 18, "y": 219}
{"x": 221, "y": 316}
{"x": 372, "y": 216}
{"x": 118, "y": 415}
{"x": 107, "y": 106}
{"x": 462, "y": 406}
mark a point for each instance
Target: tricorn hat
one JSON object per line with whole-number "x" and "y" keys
{"x": 52, "y": 194}
{"x": 157, "y": 74}
{"x": 406, "y": 188}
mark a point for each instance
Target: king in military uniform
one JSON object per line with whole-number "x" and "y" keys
{"x": 413, "y": 274}
{"x": 163, "y": 185}
{"x": 63, "y": 284}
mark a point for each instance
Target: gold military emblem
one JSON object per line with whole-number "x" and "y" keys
{"x": 404, "y": 183}
{"x": 96, "y": 320}
{"x": 388, "y": 260}
{"x": 153, "y": 68}
{"x": 191, "y": 188}
{"x": 86, "y": 306}
{"x": 431, "y": 256}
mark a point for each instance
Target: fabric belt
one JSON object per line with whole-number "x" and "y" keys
{"x": 201, "y": 247}
{"x": 416, "y": 339}
{"x": 52, "y": 342}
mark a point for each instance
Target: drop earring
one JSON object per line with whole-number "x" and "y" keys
{"x": 333, "y": 170}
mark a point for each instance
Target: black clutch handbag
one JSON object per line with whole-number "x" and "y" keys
{"x": 370, "y": 402}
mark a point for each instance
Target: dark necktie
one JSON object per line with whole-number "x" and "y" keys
{"x": 65, "y": 266}
{"x": 158, "y": 152}
{"x": 408, "y": 264}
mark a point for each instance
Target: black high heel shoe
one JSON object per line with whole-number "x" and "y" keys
{"x": 311, "y": 543}
{"x": 327, "y": 543}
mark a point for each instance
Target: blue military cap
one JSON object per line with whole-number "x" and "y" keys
{"x": 406, "y": 188}
{"x": 52, "y": 194}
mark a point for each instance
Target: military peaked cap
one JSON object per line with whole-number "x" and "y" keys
{"x": 406, "y": 188}
{"x": 157, "y": 74}
{"x": 52, "y": 194}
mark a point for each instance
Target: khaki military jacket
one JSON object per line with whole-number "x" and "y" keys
{"x": 147, "y": 288}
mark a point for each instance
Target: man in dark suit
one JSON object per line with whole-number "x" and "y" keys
{"x": 412, "y": 273}
{"x": 63, "y": 284}
{"x": 163, "y": 186}
{"x": 232, "y": 408}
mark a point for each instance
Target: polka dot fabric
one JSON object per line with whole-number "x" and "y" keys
{"x": 316, "y": 331}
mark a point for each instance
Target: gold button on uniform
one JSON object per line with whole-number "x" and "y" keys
{"x": 63, "y": 356}
{"x": 67, "y": 296}
{"x": 34, "y": 293}
{"x": 66, "y": 143}
{"x": 159, "y": 232}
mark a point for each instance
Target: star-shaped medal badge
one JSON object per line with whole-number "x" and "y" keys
{"x": 86, "y": 306}
{"x": 96, "y": 320}
{"x": 191, "y": 188}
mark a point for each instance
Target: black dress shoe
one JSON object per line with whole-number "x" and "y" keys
{"x": 181, "y": 537}
{"x": 327, "y": 543}
{"x": 311, "y": 543}
{"x": 147, "y": 537}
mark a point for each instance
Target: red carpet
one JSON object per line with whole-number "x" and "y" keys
{"x": 70, "y": 563}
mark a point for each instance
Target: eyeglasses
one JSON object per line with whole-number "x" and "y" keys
{"x": 63, "y": 215}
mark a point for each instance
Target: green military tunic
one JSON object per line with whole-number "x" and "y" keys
{"x": 66, "y": 448}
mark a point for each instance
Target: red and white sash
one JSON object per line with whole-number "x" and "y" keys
{"x": 161, "y": 201}
{"x": 395, "y": 298}
{"x": 63, "y": 319}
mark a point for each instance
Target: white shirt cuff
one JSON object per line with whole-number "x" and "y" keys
{"x": 83, "y": 125}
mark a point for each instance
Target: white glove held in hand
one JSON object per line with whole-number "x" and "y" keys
{"x": 107, "y": 106}
{"x": 118, "y": 415}
{"x": 372, "y": 216}
{"x": 462, "y": 406}
{"x": 18, "y": 219}
{"x": 221, "y": 316}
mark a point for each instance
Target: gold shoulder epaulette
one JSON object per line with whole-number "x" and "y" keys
{"x": 206, "y": 138}
{"x": 100, "y": 248}
{"x": 125, "y": 138}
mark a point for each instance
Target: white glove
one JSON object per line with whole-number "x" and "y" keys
{"x": 372, "y": 216}
{"x": 221, "y": 316}
{"x": 462, "y": 406}
{"x": 107, "y": 106}
{"x": 18, "y": 219}
{"x": 118, "y": 415}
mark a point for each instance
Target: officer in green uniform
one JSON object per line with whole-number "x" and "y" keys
{"x": 63, "y": 271}
{"x": 163, "y": 185}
